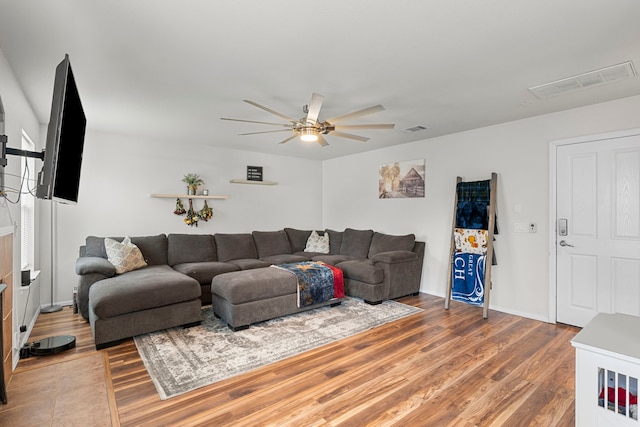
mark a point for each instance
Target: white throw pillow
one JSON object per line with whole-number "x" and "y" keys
{"x": 317, "y": 243}
{"x": 124, "y": 256}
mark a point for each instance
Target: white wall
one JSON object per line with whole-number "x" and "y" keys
{"x": 517, "y": 151}
{"x": 119, "y": 173}
{"x": 18, "y": 117}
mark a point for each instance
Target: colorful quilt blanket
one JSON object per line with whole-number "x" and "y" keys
{"x": 470, "y": 241}
{"x": 317, "y": 282}
{"x": 468, "y": 278}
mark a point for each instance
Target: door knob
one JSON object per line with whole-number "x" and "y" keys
{"x": 563, "y": 243}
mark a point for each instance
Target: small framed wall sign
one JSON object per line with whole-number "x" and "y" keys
{"x": 254, "y": 173}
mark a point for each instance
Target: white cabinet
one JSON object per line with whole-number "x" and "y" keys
{"x": 607, "y": 371}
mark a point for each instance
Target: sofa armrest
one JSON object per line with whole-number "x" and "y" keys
{"x": 402, "y": 270}
{"x": 91, "y": 265}
{"x": 393, "y": 257}
{"x": 91, "y": 269}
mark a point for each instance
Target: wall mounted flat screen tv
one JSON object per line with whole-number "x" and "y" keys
{"x": 59, "y": 178}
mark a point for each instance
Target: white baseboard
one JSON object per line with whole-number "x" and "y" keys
{"x": 504, "y": 310}
{"x": 24, "y": 337}
{"x": 67, "y": 303}
{"x": 520, "y": 313}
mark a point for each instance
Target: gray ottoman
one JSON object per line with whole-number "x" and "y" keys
{"x": 146, "y": 300}
{"x": 244, "y": 297}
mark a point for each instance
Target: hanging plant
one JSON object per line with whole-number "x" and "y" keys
{"x": 206, "y": 213}
{"x": 192, "y": 216}
{"x": 180, "y": 210}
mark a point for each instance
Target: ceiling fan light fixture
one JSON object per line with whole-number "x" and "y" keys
{"x": 308, "y": 134}
{"x": 311, "y": 129}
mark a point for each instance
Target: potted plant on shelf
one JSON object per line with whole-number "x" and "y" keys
{"x": 193, "y": 181}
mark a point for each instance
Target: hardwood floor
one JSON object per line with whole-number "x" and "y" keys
{"x": 437, "y": 368}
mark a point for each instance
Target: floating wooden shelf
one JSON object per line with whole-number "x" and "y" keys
{"x": 187, "y": 196}
{"x": 246, "y": 181}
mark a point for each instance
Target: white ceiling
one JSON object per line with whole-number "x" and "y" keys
{"x": 171, "y": 69}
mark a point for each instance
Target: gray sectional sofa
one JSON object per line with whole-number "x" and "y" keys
{"x": 180, "y": 269}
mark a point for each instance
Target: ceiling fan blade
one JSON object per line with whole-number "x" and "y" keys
{"x": 372, "y": 126}
{"x": 288, "y": 139}
{"x": 314, "y": 108}
{"x": 359, "y": 113}
{"x": 266, "y": 131}
{"x": 269, "y": 110}
{"x": 323, "y": 142}
{"x": 254, "y": 121}
{"x": 349, "y": 136}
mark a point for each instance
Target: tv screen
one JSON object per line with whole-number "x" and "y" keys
{"x": 59, "y": 178}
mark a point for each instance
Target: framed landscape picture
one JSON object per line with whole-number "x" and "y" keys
{"x": 401, "y": 179}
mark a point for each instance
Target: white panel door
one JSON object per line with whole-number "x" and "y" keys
{"x": 598, "y": 254}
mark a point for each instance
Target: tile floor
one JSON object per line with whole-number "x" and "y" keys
{"x": 71, "y": 393}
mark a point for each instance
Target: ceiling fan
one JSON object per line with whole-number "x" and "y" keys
{"x": 310, "y": 128}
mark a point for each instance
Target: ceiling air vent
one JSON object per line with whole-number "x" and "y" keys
{"x": 415, "y": 128}
{"x": 586, "y": 80}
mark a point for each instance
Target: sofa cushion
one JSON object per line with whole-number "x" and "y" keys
{"x": 308, "y": 255}
{"x": 297, "y": 238}
{"x": 254, "y": 285}
{"x": 94, "y": 265}
{"x": 335, "y": 240}
{"x": 356, "y": 243}
{"x": 204, "y": 272}
{"x": 124, "y": 256}
{"x": 94, "y": 246}
{"x": 285, "y": 258}
{"x": 317, "y": 243}
{"x": 394, "y": 257}
{"x": 149, "y": 287}
{"x": 331, "y": 258}
{"x": 249, "y": 263}
{"x": 270, "y": 243}
{"x": 388, "y": 243}
{"x": 191, "y": 248}
{"x": 154, "y": 248}
{"x": 235, "y": 246}
{"x": 363, "y": 271}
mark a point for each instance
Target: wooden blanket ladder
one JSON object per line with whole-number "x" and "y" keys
{"x": 489, "y": 253}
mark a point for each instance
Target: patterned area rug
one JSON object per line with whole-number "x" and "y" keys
{"x": 183, "y": 359}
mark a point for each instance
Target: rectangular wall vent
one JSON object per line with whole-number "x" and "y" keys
{"x": 586, "y": 80}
